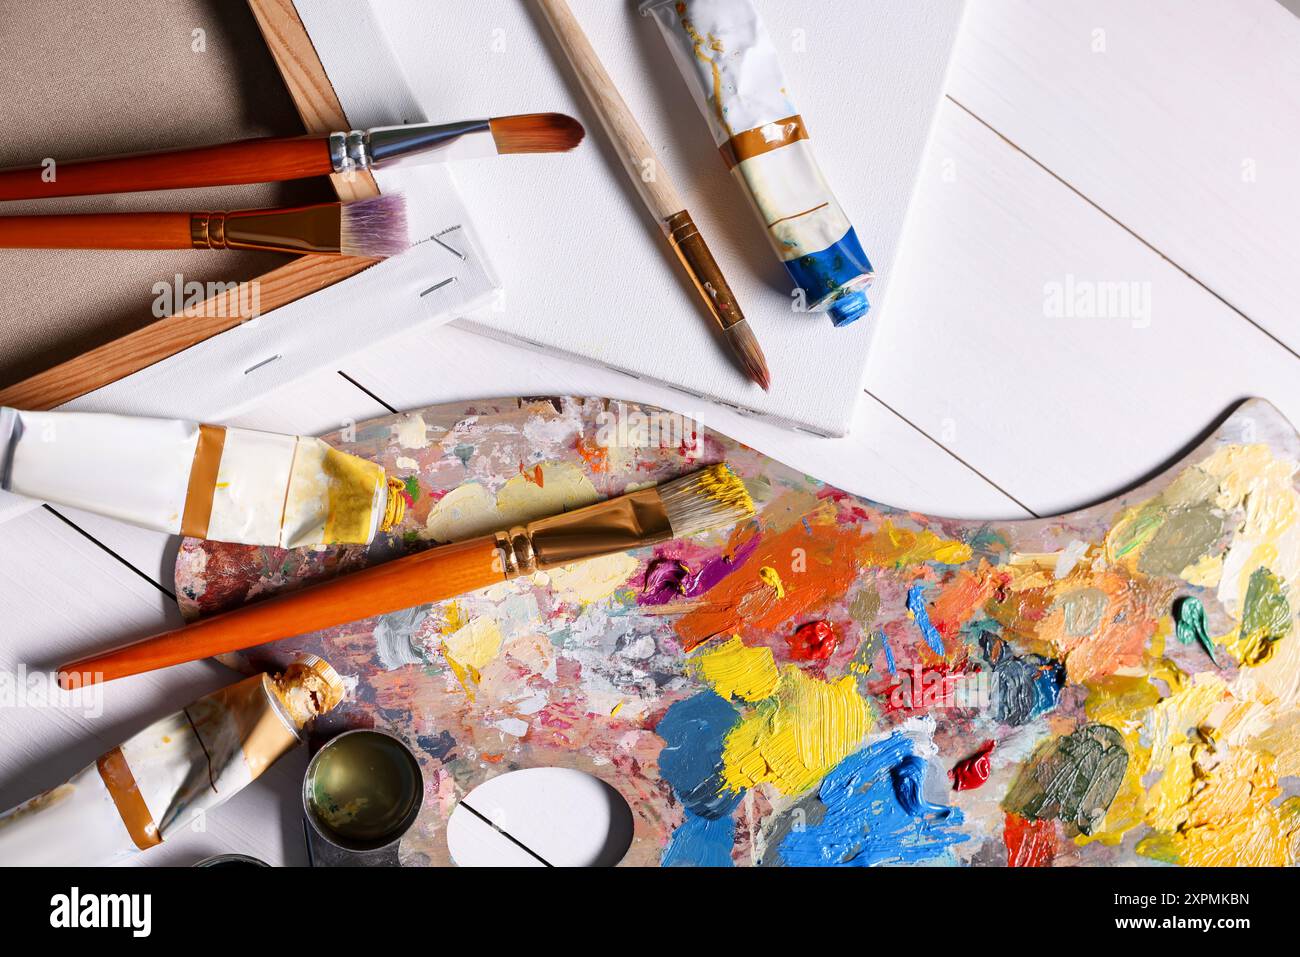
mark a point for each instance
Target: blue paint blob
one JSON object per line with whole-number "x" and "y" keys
{"x": 908, "y": 777}
{"x": 701, "y": 842}
{"x": 889, "y": 654}
{"x": 916, "y": 605}
{"x": 824, "y": 275}
{"x": 1047, "y": 687}
{"x": 875, "y": 814}
{"x": 694, "y": 731}
{"x": 1025, "y": 686}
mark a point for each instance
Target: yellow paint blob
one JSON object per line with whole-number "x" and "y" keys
{"x": 592, "y": 580}
{"x": 466, "y": 512}
{"x": 772, "y": 578}
{"x": 562, "y": 487}
{"x": 736, "y": 671}
{"x": 796, "y": 736}
{"x": 892, "y": 546}
{"x": 470, "y": 647}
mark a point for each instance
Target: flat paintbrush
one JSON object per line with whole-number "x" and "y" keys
{"x": 369, "y": 228}
{"x": 656, "y": 189}
{"x": 710, "y": 498}
{"x": 273, "y": 160}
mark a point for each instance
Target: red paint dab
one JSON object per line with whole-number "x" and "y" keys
{"x": 974, "y": 771}
{"x": 815, "y": 641}
{"x": 536, "y": 478}
{"x": 1029, "y": 843}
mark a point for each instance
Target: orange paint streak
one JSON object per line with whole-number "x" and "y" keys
{"x": 1133, "y": 608}
{"x": 595, "y": 455}
{"x": 816, "y": 569}
{"x": 537, "y": 478}
{"x": 959, "y": 600}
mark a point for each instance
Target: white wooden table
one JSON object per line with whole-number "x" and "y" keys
{"x": 1082, "y": 142}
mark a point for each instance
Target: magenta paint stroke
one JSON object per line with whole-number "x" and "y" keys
{"x": 668, "y": 579}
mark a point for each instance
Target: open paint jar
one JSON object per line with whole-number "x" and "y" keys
{"x": 363, "y": 790}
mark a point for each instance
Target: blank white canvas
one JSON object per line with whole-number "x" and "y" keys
{"x": 585, "y": 270}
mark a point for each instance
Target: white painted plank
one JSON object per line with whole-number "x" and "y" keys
{"x": 1058, "y": 411}
{"x": 1181, "y": 118}
{"x": 62, "y": 596}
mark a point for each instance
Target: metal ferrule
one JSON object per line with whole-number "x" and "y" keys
{"x": 606, "y": 528}
{"x": 299, "y": 229}
{"x": 389, "y": 146}
{"x": 703, "y": 269}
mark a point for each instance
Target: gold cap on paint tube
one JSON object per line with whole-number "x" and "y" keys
{"x": 395, "y": 507}
{"x": 308, "y": 687}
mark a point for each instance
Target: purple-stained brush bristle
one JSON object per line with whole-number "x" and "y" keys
{"x": 374, "y": 228}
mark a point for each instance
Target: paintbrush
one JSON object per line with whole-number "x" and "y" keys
{"x": 711, "y": 498}
{"x": 657, "y": 190}
{"x": 369, "y": 228}
{"x": 273, "y": 160}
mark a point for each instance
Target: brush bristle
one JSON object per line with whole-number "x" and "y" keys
{"x": 745, "y": 346}
{"x": 710, "y": 498}
{"x": 536, "y": 133}
{"x": 374, "y": 228}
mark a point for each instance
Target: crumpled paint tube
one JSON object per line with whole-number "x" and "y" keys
{"x": 731, "y": 67}
{"x": 204, "y": 481}
{"x": 166, "y": 777}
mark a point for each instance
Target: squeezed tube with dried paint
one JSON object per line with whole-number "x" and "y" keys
{"x": 154, "y": 785}
{"x": 728, "y": 60}
{"x": 204, "y": 481}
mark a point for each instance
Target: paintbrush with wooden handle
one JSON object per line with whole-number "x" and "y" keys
{"x": 273, "y": 160}
{"x": 711, "y": 498}
{"x": 657, "y": 191}
{"x": 369, "y": 228}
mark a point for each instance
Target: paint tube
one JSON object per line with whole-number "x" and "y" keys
{"x": 724, "y": 52}
{"x": 204, "y": 481}
{"x": 166, "y": 778}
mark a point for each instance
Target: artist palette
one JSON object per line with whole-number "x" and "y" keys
{"x": 835, "y": 681}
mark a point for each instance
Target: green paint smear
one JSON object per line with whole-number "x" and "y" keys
{"x": 1073, "y": 779}
{"x": 1144, "y": 526}
{"x": 413, "y": 488}
{"x": 1266, "y": 614}
{"x": 1191, "y": 626}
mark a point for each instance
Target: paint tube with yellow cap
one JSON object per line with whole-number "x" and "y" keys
{"x": 204, "y": 481}
{"x": 164, "y": 779}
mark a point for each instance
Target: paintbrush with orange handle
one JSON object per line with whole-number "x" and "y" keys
{"x": 369, "y": 228}
{"x": 710, "y": 498}
{"x": 273, "y": 160}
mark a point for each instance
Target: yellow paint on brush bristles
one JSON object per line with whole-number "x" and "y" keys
{"x": 724, "y": 486}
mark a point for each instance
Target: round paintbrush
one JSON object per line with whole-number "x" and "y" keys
{"x": 708, "y": 499}
{"x": 369, "y": 228}
{"x": 273, "y": 160}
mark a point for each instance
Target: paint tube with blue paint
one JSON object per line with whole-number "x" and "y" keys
{"x": 731, "y": 67}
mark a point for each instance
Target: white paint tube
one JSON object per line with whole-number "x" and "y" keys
{"x": 730, "y": 64}
{"x": 166, "y": 778}
{"x": 204, "y": 481}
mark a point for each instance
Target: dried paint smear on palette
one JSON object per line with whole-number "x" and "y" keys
{"x": 836, "y": 681}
